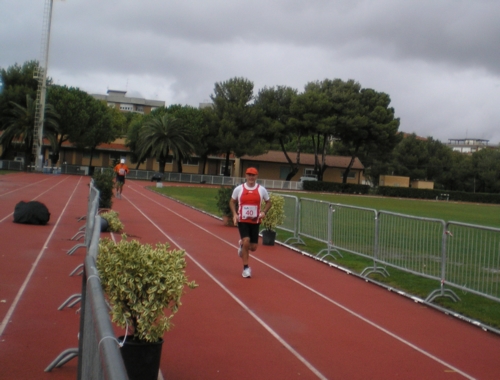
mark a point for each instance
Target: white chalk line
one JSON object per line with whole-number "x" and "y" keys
{"x": 353, "y": 313}
{"x": 34, "y": 266}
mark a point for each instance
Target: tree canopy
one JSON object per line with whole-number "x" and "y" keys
{"x": 19, "y": 126}
{"x": 238, "y": 122}
{"x": 275, "y": 103}
{"x": 164, "y": 134}
{"x": 331, "y": 116}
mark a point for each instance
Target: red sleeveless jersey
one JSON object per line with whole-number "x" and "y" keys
{"x": 249, "y": 205}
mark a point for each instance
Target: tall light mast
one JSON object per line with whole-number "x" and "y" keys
{"x": 41, "y": 75}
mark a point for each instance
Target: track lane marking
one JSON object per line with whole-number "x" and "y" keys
{"x": 20, "y": 188}
{"x": 38, "y": 196}
{"x": 234, "y": 297}
{"x": 12, "y": 308}
{"x": 339, "y": 305}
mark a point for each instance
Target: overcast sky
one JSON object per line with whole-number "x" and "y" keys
{"x": 439, "y": 60}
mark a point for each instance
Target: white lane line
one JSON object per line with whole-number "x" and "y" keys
{"x": 352, "y": 312}
{"x": 38, "y": 196}
{"x": 20, "y": 188}
{"x": 34, "y": 266}
{"x": 241, "y": 303}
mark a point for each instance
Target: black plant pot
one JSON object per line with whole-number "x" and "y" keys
{"x": 104, "y": 225}
{"x": 268, "y": 237}
{"x": 141, "y": 359}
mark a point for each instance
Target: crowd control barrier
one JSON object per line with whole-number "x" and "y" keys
{"x": 98, "y": 350}
{"x": 458, "y": 256}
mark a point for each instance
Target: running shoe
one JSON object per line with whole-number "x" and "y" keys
{"x": 247, "y": 273}
{"x": 240, "y": 248}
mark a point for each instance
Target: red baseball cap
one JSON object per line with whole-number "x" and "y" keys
{"x": 252, "y": 171}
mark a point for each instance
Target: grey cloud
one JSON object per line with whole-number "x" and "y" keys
{"x": 438, "y": 60}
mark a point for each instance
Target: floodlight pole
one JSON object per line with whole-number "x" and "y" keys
{"x": 41, "y": 75}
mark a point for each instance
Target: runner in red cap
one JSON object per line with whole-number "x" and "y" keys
{"x": 248, "y": 216}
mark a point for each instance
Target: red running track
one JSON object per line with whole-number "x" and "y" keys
{"x": 295, "y": 318}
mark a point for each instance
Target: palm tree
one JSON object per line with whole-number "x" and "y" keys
{"x": 162, "y": 135}
{"x": 20, "y": 124}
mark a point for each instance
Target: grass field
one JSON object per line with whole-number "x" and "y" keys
{"x": 472, "y": 306}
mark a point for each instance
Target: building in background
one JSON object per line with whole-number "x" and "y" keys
{"x": 468, "y": 146}
{"x": 118, "y": 100}
{"x": 273, "y": 165}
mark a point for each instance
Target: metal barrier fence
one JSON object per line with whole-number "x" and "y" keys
{"x": 291, "y": 222}
{"x": 460, "y": 255}
{"x": 92, "y": 210}
{"x": 354, "y": 229}
{"x": 149, "y": 175}
{"x": 212, "y": 179}
{"x": 469, "y": 261}
{"x": 98, "y": 351}
{"x": 11, "y": 165}
{"x": 412, "y": 244}
{"x": 313, "y": 219}
{"x": 99, "y": 354}
{"x": 472, "y": 261}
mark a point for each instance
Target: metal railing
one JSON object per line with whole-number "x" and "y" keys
{"x": 99, "y": 354}
{"x": 212, "y": 179}
{"x": 459, "y": 255}
{"x": 147, "y": 175}
{"x": 291, "y": 222}
{"x": 98, "y": 351}
{"x": 11, "y": 165}
{"x": 472, "y": 260}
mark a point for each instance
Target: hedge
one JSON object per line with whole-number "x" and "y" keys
{"x": 401, "y": 192}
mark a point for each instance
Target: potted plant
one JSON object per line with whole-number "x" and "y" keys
{"x": 222, "y": 198}
{"x": 103, "y": 181}
{"x": 111, "y": 222}
{"x": 274, "y": 217}
{"x": 144, "y": 287}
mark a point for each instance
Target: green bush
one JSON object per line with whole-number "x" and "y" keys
{"x": 104, "y": 181}
{"x": 335, "y": 187}
{"x": 276, "y": 214}
{"x": 222, "y": 198}
{"x": 456, "y": 196}
{"x": 401, "y": 192}
{"x": 114, "y": 223}
{"x": 143, "y": 284}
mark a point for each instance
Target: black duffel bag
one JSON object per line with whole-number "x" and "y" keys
{"x": 31, "y": 213}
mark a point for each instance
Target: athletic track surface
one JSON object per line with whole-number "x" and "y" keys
{"x": 296, "y": 318}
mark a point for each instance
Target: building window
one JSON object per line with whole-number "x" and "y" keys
{"x": 169, "y": 160}
{"x": 95, "y": 155}
{"x": 284, "y": 171}
{"x": 308, "y": 171}
{"x": 139, "y": 109}
{"x": 126, "y": 107}
{"x": 351, "y": 175}
{"x": 191, "y": 161}
{"x": 223, "y": 168}
{"x": 115, "y": 158}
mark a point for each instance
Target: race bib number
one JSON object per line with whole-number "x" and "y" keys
{"x": 249, "y": 212}
{"x": 121, "y": 171}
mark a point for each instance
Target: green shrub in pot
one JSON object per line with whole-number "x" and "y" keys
{"x": 276, "y": 214}
{"x": 143, "y": 285}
